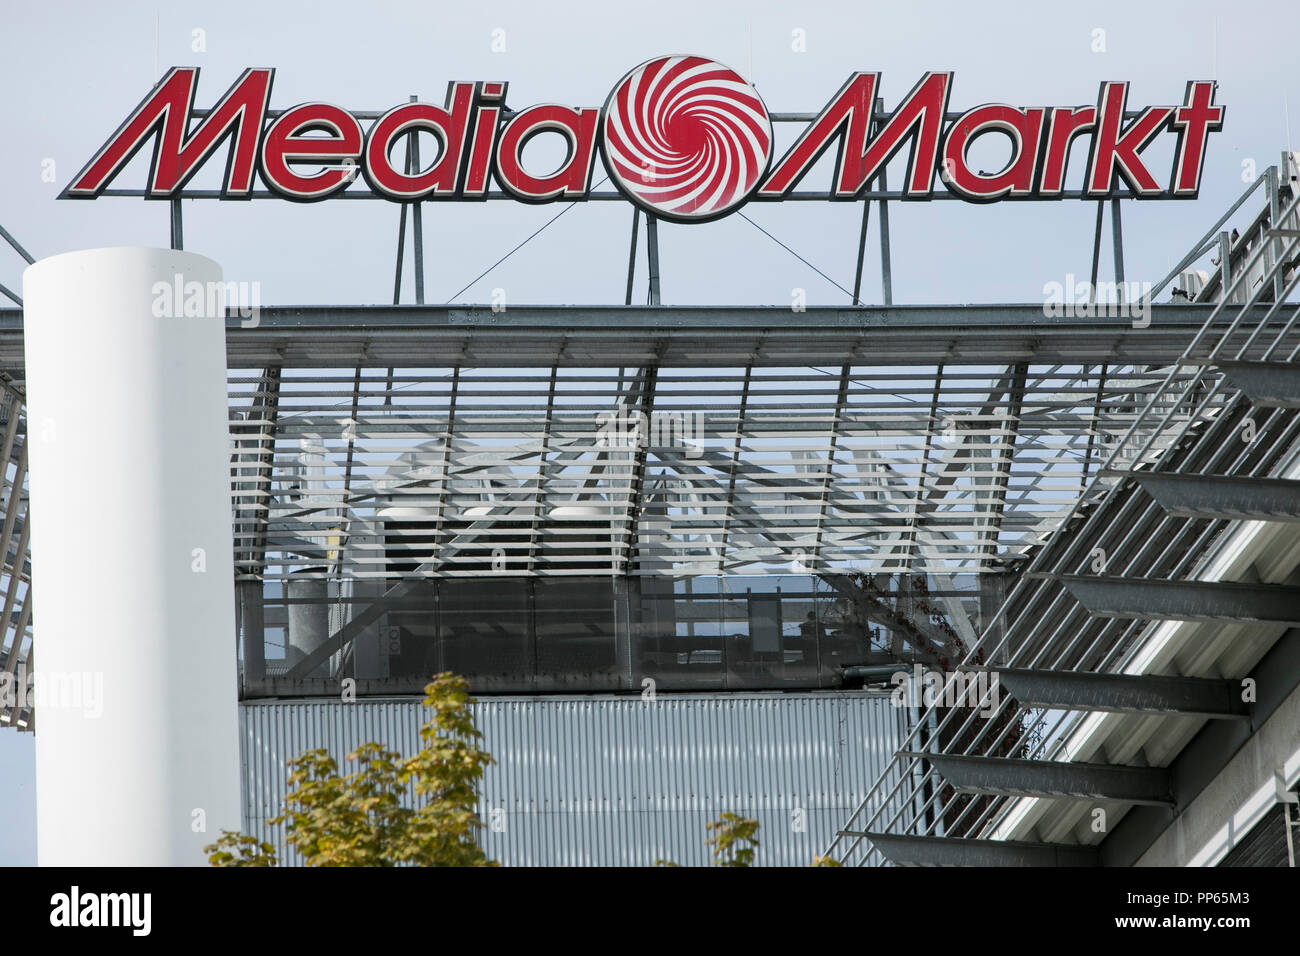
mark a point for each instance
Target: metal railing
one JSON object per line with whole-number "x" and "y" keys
{"x": 1194, "y": 424}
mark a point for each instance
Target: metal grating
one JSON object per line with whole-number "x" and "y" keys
{"x": 15, "y": 563}
{"x": 681, "y": 471}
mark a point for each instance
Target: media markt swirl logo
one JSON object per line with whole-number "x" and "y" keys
{"x": 686, "y": 138}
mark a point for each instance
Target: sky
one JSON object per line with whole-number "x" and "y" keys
{"x": 74, "y": 70}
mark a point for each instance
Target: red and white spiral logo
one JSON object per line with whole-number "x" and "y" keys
{"x": 686, "y": 138}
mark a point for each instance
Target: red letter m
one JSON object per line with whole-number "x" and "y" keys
{"x": 178, "y": 153}
{"x": 849, "y": 117}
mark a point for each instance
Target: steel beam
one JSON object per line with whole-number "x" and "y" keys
{"x": 1117, "y": 243}
{"x": 738, "y": 440}
{"x": 932, "y": 420}
{"x": 1123, "y": 693}
{"x": 417, "y": 220}
{"x": 954, "y": 851}
{"x": 252, "y": 622}
{"x": 841, "y": 397}
{"x": 1204, "y": 758}
{"x": 1212, "y": 496}
{"x": 1004, "y": 456}
{"x": 253, "y": 506}
{"x": 1268, "y": 384}
{"x": 12, "y": 503}
{"x": 15, "y": 578}
{"x": 862, "y": 253}
{"x": 631, "y": 257}
{"x": 1096, "y": 253}
{"x": 1271, "y": 177}
{"x": 1092, "y": 430}
{"x": 1225, "y": 260}
{"x": 652, "y": 256}
{"x": 177, "y": 227}
{"x": 886, "y": 268}
{"x": 974, "y": 321}
{"x": 932, "y": 496}
{"x": 1013, "y": 777}
{"x": 543, "y": 472}
{"x": 440, "y": 336}
{"x": 1185, "y": 600}
{"x": 444, "y": 475}
{"x": 645, "y": 398}
{"x": 401, "y": 248}
{"x": 17, "y": 246}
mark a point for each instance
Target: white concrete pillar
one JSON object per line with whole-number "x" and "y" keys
{"x": 137, "y": 759}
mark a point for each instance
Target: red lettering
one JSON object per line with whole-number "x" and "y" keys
{"x": 1063, "y": 126}
{"x": 1115, "y": 152}
{"x": 1024, "y": 127}
{"x": 285, "y": 144}
{"x": 1194, "y": 122}
{"x": 847, "y": 116}
{"x": 164, "y": 114}
{"x": 450, "y": 126}
{"x": 578, "y": 127}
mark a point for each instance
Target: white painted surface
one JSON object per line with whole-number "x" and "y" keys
{"x": 127, "y": 415}
{"x": 1237, "y": 798}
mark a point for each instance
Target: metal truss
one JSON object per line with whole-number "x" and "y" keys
{"x": 15, "y": 563}
{"x": 374, "y": 446}
{"x": 599, "y": 336}
{"x": 663, "y": 470}
{"x": 1117, "y": 637}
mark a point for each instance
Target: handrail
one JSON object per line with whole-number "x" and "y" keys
{"x": 912, "y": 809}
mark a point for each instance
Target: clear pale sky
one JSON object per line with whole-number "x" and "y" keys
{"x": 74, "y": 70}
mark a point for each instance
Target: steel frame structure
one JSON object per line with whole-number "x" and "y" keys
{"x": 1155, "y": 541}
{"x": 15, "y": 562}
{"x": 957, "y": 459}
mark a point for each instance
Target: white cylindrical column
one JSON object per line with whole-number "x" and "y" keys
{"x": 137, "y": 758}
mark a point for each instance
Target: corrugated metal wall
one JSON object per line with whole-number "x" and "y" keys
{"x": 616, "y": 781}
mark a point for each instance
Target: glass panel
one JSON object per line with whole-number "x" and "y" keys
{"x": 576, "y": 637}
{"x": 593, "y": 633}
{"x": 485, "y": 632}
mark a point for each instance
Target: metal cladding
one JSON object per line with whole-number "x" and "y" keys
{"x": 605, "y": 781}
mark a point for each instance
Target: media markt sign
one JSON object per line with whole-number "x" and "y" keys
{"x": 683, "y": 137}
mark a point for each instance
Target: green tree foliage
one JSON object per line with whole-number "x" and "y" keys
{"x": 238, "y": 849}
{"x": 359, "y": 820}
{"x": 733, "y": 840}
